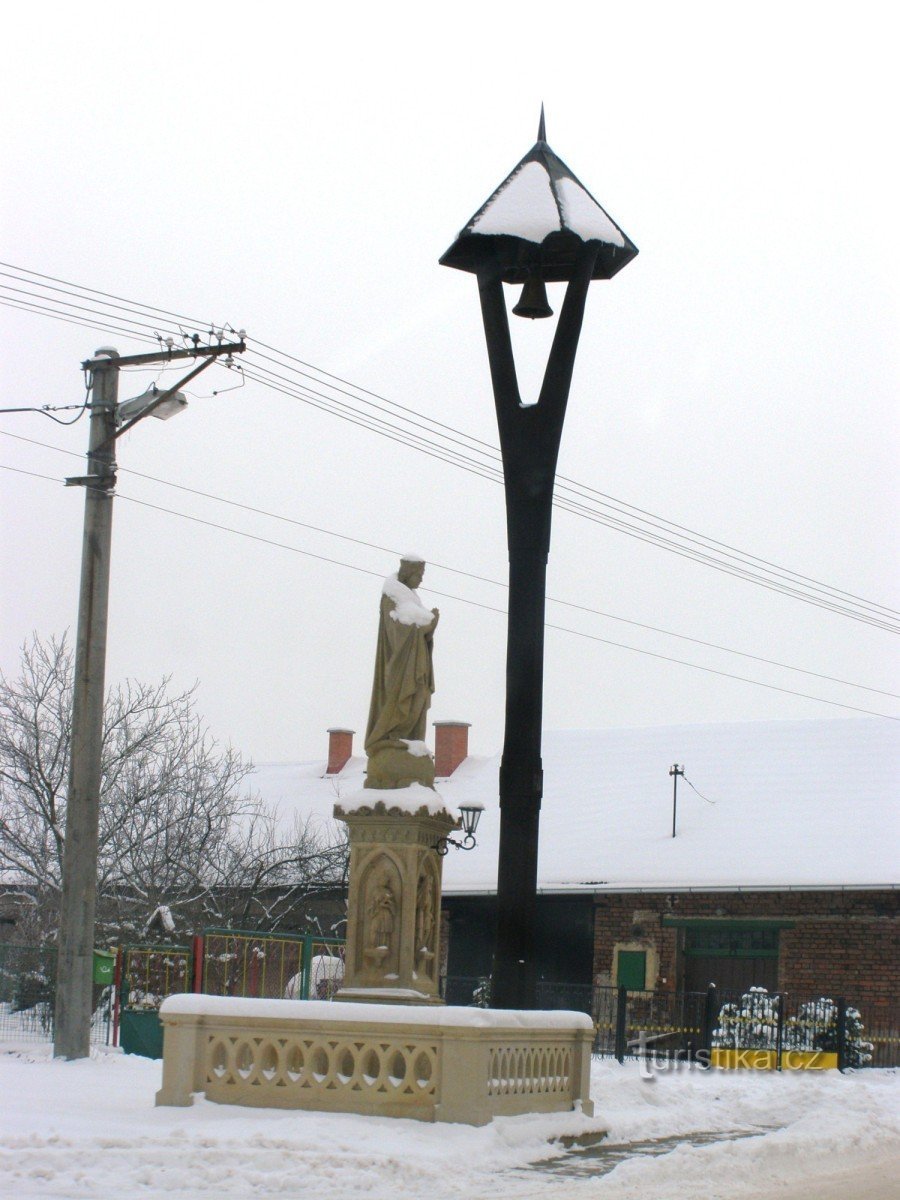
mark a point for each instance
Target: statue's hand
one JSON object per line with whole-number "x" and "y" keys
{"x": 437, "y": 617}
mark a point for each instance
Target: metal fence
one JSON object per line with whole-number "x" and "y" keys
{"x": 626, "y": 1023}
{"x": 28, "y": 997}
{"x": 684, "y": 1025}
{"x": 276, "y": 966}
{"x": 150, "y": 973}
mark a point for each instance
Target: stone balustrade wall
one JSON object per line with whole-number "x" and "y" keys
{"x": 446, "y": 1064}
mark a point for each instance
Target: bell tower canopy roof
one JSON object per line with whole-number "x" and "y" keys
{"x": 536, "y": 221}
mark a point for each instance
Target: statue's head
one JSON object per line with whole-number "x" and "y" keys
{"x": 412, "y": 570}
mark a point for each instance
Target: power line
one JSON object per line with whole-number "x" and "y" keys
{"x": 74, "y": 321}
{"x": 472, "y": 603}
{"x": 466, "y": 574}
{"x": 699, "y": 793}
{"x": 484, "y": 471}
{"x": 579, "y": 488}
{"x": 700, "y": 540}
{"x": 692, "y": 545}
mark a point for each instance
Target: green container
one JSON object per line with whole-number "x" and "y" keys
{"x": 141, "y": 1032}
{"x": 104, "y": 967}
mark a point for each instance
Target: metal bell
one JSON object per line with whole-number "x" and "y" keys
{"x": 533, "y": 301}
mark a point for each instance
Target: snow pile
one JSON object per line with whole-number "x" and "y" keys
{"x": 88, "y": 1129}
{"x": 418, "y": 749}
{"x": 410, "y": 799}
{"x": 408, "y": 607}
{"x": 326, "y": 976}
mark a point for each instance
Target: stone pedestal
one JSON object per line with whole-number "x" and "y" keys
{"x": 394, "y": 901}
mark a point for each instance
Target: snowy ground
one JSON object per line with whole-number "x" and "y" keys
{"x": 89, "y": 1129}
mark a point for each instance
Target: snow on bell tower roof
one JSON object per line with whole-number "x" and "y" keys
{"x": 536, "y": 221}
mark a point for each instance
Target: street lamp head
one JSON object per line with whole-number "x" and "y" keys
{"x": 172, "y": 404}
{"x": 533, "y": 229}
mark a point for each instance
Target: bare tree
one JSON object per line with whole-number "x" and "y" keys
{"x": 176, "y": 827}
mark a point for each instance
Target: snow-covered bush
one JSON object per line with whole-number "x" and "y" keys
{"x": 752, "y": 1024}
{"x": 815, "y": 1027}
{"x": 481, "y": 995}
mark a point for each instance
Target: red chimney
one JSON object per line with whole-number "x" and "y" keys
{"x": 340, "y": 747}
{"x": 451, "y": 746}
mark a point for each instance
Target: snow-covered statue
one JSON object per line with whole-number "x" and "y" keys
{"x": 403, "y": 683}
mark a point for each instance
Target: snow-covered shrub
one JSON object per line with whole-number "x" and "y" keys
{"x": 815, "y": 1027}
{"x": 752, "y": 1024}
{"x": 481, "y": 995}
{"x": 143, "y": 1001}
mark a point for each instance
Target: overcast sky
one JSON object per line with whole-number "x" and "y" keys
{"x": 297, "y": 172}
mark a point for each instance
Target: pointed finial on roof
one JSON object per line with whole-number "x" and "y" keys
{"x": 542, "y": 132}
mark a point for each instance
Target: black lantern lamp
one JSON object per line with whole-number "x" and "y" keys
{"x": 540, "y": 226}
{"x": 470, "y": 815}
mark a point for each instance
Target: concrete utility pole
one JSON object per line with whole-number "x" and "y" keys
{"x": 72, "y": 1018}
{"x": 74, "y": 976}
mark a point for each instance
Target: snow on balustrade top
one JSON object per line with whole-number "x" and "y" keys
{"x": 332, "y": 1013}
{"x": 408, "y": 608}
{"x": 414, "y": 800}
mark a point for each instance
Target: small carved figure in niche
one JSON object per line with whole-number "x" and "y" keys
{"x": 424, "y": 924}
{"x": 424, "y": 913}
{"x": 381, "y": 913}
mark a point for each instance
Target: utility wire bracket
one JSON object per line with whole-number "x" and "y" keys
{"x": 98, "y": 483}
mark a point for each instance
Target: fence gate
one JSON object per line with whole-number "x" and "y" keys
{"x": 271, "y": 966}
{"x": 148, "y": 975}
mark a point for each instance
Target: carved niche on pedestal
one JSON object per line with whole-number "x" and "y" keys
{"x": 428, "y": 907}
{"x": 378, "y": 946}
{"x": 394, "y": 902}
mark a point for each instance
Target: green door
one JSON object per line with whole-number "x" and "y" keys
{"x": 631, "y": 969}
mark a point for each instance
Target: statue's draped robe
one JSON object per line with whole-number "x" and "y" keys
{"x": 404, "y": 675}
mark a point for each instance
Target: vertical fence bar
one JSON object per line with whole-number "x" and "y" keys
{"x": 621, "y": 1018}
{"x": 306, "y": 968}
{"x": 841, "y": 1032}
{"x": 117, "y": 993}
{"x": 779, "y": 1030}
{"x": 710, "y": 1019}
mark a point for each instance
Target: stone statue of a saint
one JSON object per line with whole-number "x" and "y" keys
{"x": 403, "y": 684}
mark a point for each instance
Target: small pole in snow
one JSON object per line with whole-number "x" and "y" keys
{"x": 675, "y": 771}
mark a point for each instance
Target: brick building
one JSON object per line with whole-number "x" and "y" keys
{"x": 782, "y": 872}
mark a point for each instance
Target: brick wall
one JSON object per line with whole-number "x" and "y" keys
{"x": 841, "y": 943}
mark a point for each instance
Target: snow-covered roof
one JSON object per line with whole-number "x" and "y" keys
{"x": 796, "y": 804}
